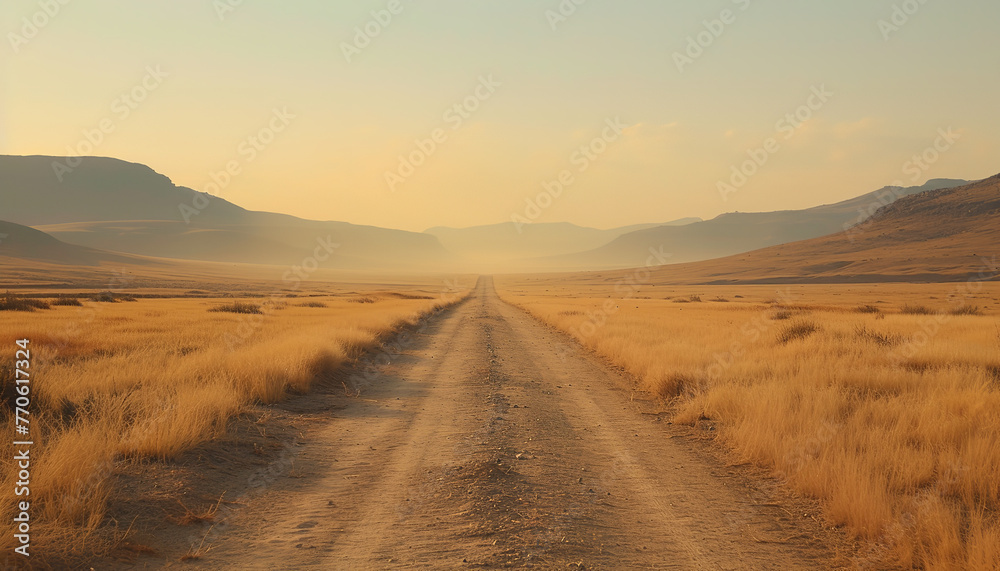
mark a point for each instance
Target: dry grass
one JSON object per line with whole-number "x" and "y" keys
{"x": 112, "y": 297}
{"x": 966, "y": 310}
{"x": 191, "y": 517}
{"x": 781, "y": 315}
{"x": 892, "y": 419}
{"x": 878, "y": 338}
{"x": 909, "y": 309}
{"x": 13, "y": 302}
{"x": 149, "y": 380}
{"x": 239, "y": 307}
{"x": 797, "y": 330}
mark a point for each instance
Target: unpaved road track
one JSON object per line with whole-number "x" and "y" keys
{"x": 493, "y": 442}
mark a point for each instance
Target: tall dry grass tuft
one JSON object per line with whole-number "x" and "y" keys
{"x": 239, "y": 307}
{"x": 116, "y": 382}
{"x": 797, "y": 330}
{"x": 176, "y": 419}
{"x": 14, "y": 302}
{"x": 910, "y": 309}
{"x": 967, "y": 310}
{"x": 63, "y": 481}
{"x": 894, "y": 427}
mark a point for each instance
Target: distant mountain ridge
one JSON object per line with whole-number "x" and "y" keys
{"x": 24, "y": 242}
{"x": 115, "y": 206}
{"x": 511, "y": 243}
{"x": 949, "y": 234}
{"x": 737, "y": 232}
{"x": 126, "y": 207}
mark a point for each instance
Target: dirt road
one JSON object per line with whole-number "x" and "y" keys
{"x": 495, "y": 442}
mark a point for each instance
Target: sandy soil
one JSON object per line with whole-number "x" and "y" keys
{"x": 494, "y": 442}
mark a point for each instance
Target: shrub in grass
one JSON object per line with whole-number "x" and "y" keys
{"x": 797, "y": 330}
{"x": 68, "y": 301}
{"x": 994, "y": 371}
{"x": 104, "y": 297}
{"x": 967, "y": 310}
{"x": 781, "y": 315}
{"x": 12, "y": 302}
{"x": 112, "y": 297}
{"x": 365, "y": 299}
{"x": 674, "y": 385}
{"x": 915, "y": 310}
{"x": 880, "y": 339}
{"x": 238, "y": 307}
{"x": 312, "y": 304}
{"x": 411, "y": 296}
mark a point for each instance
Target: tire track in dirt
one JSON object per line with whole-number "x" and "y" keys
{"x": 493, "y": 443}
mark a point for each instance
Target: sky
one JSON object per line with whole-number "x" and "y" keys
{"x": 413, "y": 114}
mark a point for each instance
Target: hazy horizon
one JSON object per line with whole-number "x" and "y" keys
{"x": 486, "y": 284}
{"x": 674, "y": 121}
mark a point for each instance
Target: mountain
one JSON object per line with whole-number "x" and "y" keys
{"x": 25, "y": 243}
{"x": 510, "y": 243}
{"x": 116, "y": 206}
{"x": 124, "y": 207}
{"x": 737, "y": 232}
{"x": 937, "y": 236}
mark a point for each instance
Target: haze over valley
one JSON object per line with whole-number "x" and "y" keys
{"x": 500, "y": 285}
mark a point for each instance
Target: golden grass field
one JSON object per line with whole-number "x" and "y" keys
{"x": 881, "y": 401}
{"x": 149, "y": 379}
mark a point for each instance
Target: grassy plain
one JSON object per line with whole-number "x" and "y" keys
{"x": 145, "y": 380}
{"x": 882, "y": 401}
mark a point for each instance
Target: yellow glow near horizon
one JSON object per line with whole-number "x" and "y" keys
{"x": 691, "y": 112}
